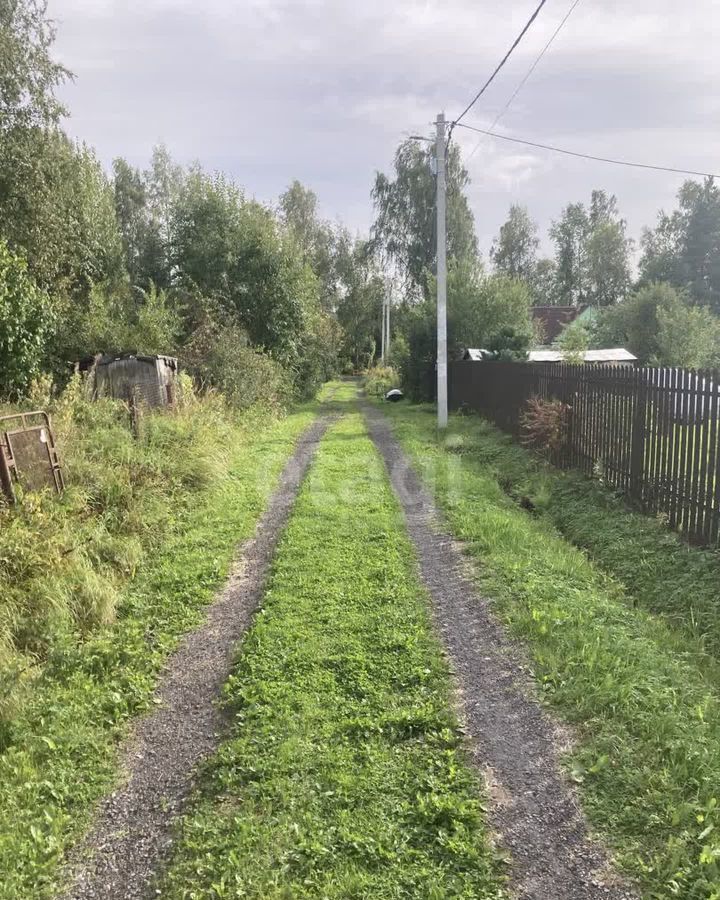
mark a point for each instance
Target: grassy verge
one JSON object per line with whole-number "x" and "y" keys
{"x": 657, "y": 569}
{"x": 647, "y": 716}
{"x": 97, "y": 589}
{"x": 345, "y": 775}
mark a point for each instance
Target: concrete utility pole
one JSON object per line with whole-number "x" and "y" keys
{"x": 388, "y": 298}
{"x": 442, "y": 397}
{"x": 382, "y": 328}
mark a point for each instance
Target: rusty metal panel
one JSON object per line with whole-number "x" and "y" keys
{"x": 29, "y": 454}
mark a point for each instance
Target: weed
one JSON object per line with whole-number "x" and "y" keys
{"x": 379, "y": 380}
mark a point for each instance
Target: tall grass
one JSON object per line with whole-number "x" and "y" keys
{"x": 657, "y": 569}
{"x": 64, "y": 561}
{"x": 642, "y": 693}
{"x": 379, "y": 380}
{"x": 98, "y": 587}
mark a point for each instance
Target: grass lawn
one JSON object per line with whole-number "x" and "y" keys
{"x": 656, "y": 568}
{"x": 641, "y": 693}
{"x": 59, "y": 745}
{"x": 344, "y": 775}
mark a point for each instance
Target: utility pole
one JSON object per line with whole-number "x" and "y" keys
{"x": 442, "y": 397}
{"x": 382, "y": 328}
{"x": 388, "y": 298}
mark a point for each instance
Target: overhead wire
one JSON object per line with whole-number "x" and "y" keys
{"x": 603, "y": 159}
{"x": 528, "y": 74}
{"x": 499, "y": 66}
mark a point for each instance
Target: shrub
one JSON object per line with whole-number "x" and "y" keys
{"x": 418, "y": 364}
{"x": 544, "y": 424}
{"x": 219, "y": 357}
{"x": 379, "y": 380}
{"x": 25, "y": 323}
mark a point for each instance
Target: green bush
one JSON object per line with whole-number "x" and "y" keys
{"x": 219, "y": 357}
{"x": 379, "y": 380}
{"x": 418, "y": 364}
{"x": 25, "y": 322}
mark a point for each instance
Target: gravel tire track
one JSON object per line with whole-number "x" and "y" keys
{"x": 513, "y": 741}
{"x": 132, "y": 832}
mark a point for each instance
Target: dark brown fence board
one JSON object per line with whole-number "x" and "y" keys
{"x": 715, "y": 501}
{"x": 675, "y": 447}
{"x": 666, "y": 438}
{"x": 652, "y": 433}
{"x": 714, "y": 411}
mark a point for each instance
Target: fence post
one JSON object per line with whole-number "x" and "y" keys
{"x": 5, "y": 476}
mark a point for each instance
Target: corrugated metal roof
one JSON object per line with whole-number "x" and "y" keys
{"x": 108, "y": 359}
{"x": 616, "y": 354}
{"x": 611, "y": 354}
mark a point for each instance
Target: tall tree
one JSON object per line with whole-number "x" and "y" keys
{"x": 684, "y": 248}
{"x": 29, "y": 114}
{"x": 144, "y": 203}
{"x": 130, "y": 208}
{"x": 514, "y": 251}
{"x": 700, "y": 241}
{"x": 232, "y": 249}
{"x": 544, "y": 283}
{"x": 56, "y": 206}
{"x": 57, "y": 210}
{"x": 325, "y": 248}
{"x": 359, "y": 308}
{"x": 661, "y": 326}
{"x": 28, "y": 73}
{"x": 298, "y": 208}
{"x": 661, "y": 258}
{"x": 570, "y": 236}
{"x": 404, "y": 227}
{"x": 592, "y": 253}
{"x": 163, "y": 182}
{"x": 608, "y": 252}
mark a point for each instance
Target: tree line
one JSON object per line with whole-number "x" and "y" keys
{"x": 667, "y": 313}
{"x": 258, "y": 300}
{"x": 265, "y": 301}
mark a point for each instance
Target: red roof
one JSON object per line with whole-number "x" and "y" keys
{"x": 554, "y": 319}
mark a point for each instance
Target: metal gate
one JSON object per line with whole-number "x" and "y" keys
{"x": 28, "y": 454}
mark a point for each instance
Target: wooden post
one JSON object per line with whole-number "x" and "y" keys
{"x": 6, "y": 482}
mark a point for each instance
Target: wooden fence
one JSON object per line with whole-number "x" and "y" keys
{"x": 653, "y": 434}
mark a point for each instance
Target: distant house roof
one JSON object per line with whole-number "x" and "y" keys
{"x": 477, "y": 354}
{"x": 555, "y": 318}
{"x": 612, "y": 354}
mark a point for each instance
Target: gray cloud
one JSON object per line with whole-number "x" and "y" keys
{"x": 323, "y": 90}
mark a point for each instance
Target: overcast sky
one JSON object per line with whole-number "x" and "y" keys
{"x": 324, "y": 90}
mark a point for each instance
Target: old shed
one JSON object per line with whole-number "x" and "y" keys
{"x": 151, "y": 380}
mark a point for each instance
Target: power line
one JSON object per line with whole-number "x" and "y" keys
{"x": 497, "y": 69}
{"x": 528, "y": 74}
{"x": 605, "y": 159}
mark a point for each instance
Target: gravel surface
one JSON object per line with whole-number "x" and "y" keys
{"x": 132, "y": 832}
{"x": 512, "y": 739}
